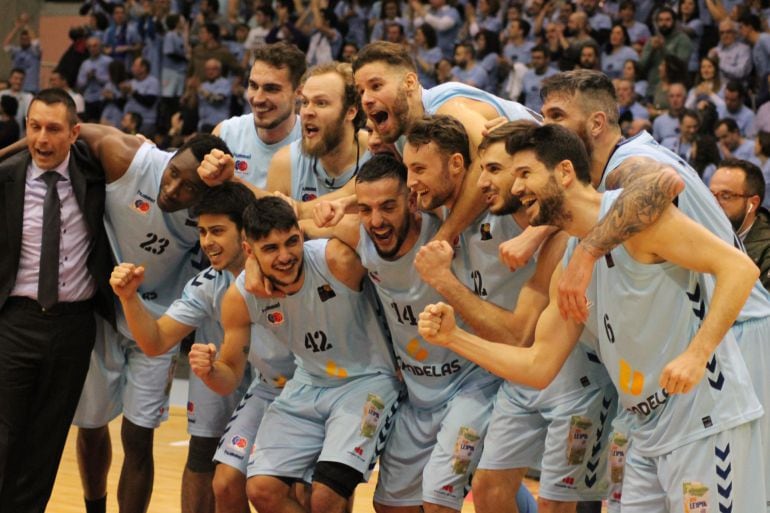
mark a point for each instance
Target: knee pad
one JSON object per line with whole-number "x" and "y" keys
{"x": 337, "y": 476}
{"x": 200, "y": 454}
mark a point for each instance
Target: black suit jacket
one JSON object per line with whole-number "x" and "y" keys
{"x": 88, "y": 183}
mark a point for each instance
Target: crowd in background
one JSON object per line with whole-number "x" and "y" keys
{"x": 694, "y": 73}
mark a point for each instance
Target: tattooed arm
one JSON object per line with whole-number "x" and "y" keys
{"x": 648, "y": 187}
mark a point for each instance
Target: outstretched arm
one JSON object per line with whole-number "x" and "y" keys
{"x": 648, "y": 188}
{"x": 554, "y": 340}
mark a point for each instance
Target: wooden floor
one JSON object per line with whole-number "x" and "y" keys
{"x": 170, "y": 455}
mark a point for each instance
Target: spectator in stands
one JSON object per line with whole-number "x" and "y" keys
{"x": 112, "y": 96}
{"x": 589, "y": 56}
{"x": 394, "y": 33}
{"x": 176, "y": 50}
{"x": 25, "y": 55}
{"x": 97, "y": 24}
{"x": 131, "y": 123}
{"x": 534, "y": 76}
{"x": 390, "y": 12}
{"x": 617, "y": 51}
{"x": 671, "y": 71}
{"x": 762, "y": 153}
{"x": 734, "y": 56}
{"x": 731, "y": 143}
{"x": 142, "y": 93}
{"x": 209, "y": 47}
{"x": 689, "y": 125}
{"x": 708, "y": 84}
{"x": 467, "y": 70}
{"x": 443, "y": 17}
{"x": 285, "y": 29}
{"x": 487, "y": 46}
{"x": 751, "y": 31}
{"x": 692, "y": 25}
{"x": 629, "y": 108}
{"x": 92, "y": 77}
{"x": 517, "y": 47}
{"x": 10, "y": 131}
{"x": 122, "y": 40}
{"x": 580, "y": 34}
{"x": 704, "y": 154}
{"x": 667, "y": 124}
{"x": 426, "y": 54}
{"x": 349, "y": 52}
{"x": 740, "y": 189}
{"x": 638, "y": 32}
{"x": 599, "y": 22}
{"x": 444, "y": 71}
{"x": 669, "y": 40}
{"x": 58, "y": 81}
{"x": 208, "y": 13}
{"x": 631, "y": 72}
{"x": 735, "y": 107}
{"x": 261, "y": 24}
{"x": 213, "y": 97}
{"x": 483, "y": 17}
{"x": 23, "y": 98}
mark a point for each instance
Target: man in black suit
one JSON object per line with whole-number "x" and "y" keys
{"x": 54, "y": 270}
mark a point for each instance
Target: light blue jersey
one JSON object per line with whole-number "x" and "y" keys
{"x": 309, "y": 179}
{"x": 332, "y": 330}
{"x": 697, "y": 202}
{"x": 141, "y": 233}
{"x": 649, "y": 314}
{"x": 433, "y": 374}
{"x": 494, "y": 282}
{"x": 252, "y": 156}
{"x": 435, "y": 97}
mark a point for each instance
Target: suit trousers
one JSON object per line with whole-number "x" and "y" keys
{"x": 44, "y": 359}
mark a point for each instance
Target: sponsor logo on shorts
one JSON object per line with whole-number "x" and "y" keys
{"x": 696, "y": 497}
{"x": 465, "y": 447}
{"x": 567, "y": 482}
{"x": 239, "y": 444}
{"x": 447, "y": 491}
{"x": 190, "y": 412}
{"x": 577, "y": 443}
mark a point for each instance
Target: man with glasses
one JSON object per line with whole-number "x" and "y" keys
{"x": 734, "y": 56}
{"x": 739, "y": 188}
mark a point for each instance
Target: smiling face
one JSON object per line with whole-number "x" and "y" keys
{"x": 429, "y": 176}
{"x": 180, "y": 185}
{"x": 49, "y": 134}
{"x": 496, "y": 180}
{"x": 540, "y": 193}
{"x": 383, "y": 208}
{"x": 323, "y": 114}
{"x": 270, "y": 95}
{"x": 280, "y": 257}
{"x": 221, "y": 241}
{"x": 383, "y": 91}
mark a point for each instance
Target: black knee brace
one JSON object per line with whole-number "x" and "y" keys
{"x": 337, "y": 476}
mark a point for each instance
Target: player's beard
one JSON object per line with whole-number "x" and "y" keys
{"x": 330, "y": 139}
{"x": 551, "y": 209}
{"x": 400, "y": 232}
{"x": 400, "y": 113}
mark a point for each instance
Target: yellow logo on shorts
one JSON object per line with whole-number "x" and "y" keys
{"x": 696, "y": 497}
{"x": 631, "y": 381}
{"x": 415, "y": 351}
{"x": 334, "y": 371}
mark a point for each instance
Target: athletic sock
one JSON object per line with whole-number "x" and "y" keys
{"x": 96, "y": 505}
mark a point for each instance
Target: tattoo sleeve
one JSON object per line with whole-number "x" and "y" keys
{"x": 648, "y": 187}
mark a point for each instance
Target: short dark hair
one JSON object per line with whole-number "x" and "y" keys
{"x": 392, "y": 54}
{"x": 690, "y": 113}
{"x": 380, "y": 167}
{"x": 551, "y": 144}
{"x": 499, "y": 134}
{"x": 594, "y": 86}
{"x": 53, "y": 96}
{"x": 9, "y": 105}
{"x": 755, "y": 182}
{"x": 729, "y": 123}
{"x": 667, "y": 9}
{"x": 213, "y": 29}
{"x": 201, "y": 144}
{"x": 736, "y": 87}
{"x": 431, "y": 39}
{"x": 136, "y": 119}
{"x": 266, "y": 214}
{"x": 542, "y": 49}
{"x": 446, "y": 132}
{"x": 751, "y": 20}
{"x": 282, "y": 55}
{"x": 18, "y": 70}
{"x": 230, "y": 199}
